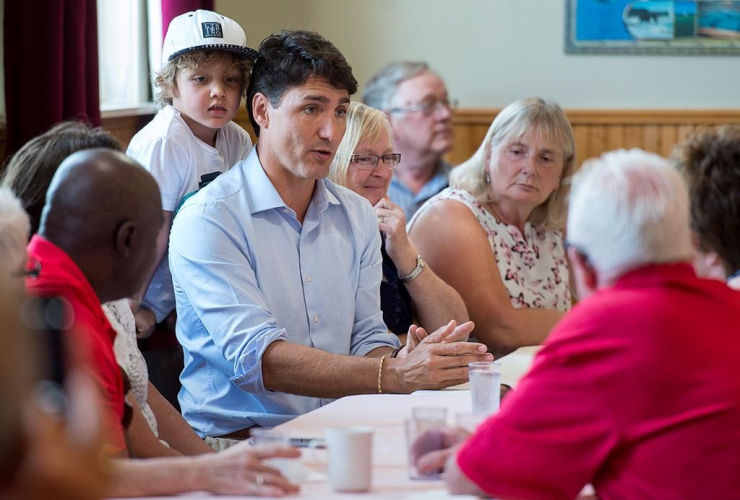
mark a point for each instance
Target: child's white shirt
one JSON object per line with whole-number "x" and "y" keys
{"x": 177, "y": 160}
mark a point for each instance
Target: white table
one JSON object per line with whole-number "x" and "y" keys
{"x": 386, "y": 414}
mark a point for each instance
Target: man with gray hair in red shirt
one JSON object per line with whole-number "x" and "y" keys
{"x": 637, "y": 389}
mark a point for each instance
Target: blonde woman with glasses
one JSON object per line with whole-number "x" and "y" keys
{"x": 410, "y": 291}
{"x": 496, "y": 235}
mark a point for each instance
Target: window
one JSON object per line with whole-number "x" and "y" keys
{"x": 129, "y": 45}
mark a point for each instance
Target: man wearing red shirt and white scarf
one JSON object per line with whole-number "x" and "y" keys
{"x": 637, "y": 389}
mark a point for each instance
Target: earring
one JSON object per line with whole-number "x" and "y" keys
{"x": 488, "y": 178}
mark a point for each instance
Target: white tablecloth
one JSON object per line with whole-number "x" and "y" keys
{"x": 386, "y": 414}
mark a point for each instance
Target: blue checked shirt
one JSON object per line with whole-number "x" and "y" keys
{"x": 410, "y": 202}
{"x": 246, "y": 273}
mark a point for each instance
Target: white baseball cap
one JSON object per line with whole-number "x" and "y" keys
{"x": 204, "y": 30}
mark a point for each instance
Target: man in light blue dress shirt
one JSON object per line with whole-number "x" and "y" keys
{"x": 420, "y": 112}
{"x": 277, "y": 271}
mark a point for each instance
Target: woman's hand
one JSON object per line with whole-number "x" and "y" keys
{"x": 240, "y": 470}
{"x": 392, "y": 223}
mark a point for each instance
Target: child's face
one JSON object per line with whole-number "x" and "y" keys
{"x": 208, "y": 97}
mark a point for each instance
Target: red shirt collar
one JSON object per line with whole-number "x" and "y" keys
{"x": 653, "y": 274}
{"x": 60, "y": 276}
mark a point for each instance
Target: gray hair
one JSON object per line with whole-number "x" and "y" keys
{"x": 629, "y": 209}
{"x": 15, "y": 226}
{"x": 381, "y": 88}
{"x": 515, "y": 120}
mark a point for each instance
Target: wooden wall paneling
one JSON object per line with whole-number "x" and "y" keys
{"x": 633, "y": 135}
{"x": 596, "y": 130}
{"x": 614, "y": 137}
{"x": 684, "y": 131}
{"x": 668, "y": 139}
{"x": 124, "y": 128}
{"x": 479, "y": 133}
{"x": 463, "y": 143}
{"x": 581, "y": 135}
{"x": 596, "y": 141}
{"x": 650, "y": 138}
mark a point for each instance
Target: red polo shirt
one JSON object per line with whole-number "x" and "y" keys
{"x": 91, "y": 332}
{"x": 637, "y": 390}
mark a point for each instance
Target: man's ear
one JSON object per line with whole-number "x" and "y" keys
{"x": 261, "y": 108}
{"x": 585, "y": 274}
{"x": 707, "y": 263}
{"x": 126, "y": 238}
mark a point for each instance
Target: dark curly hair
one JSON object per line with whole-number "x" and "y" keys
{"x": 29, "y": 171}
{"x": 289, "y": 58}
{"x": 710, "y": 162}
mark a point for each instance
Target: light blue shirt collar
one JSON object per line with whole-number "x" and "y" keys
{"x": 263, "y": 195}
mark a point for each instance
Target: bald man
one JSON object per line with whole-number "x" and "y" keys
{"x": 96, "y": 241}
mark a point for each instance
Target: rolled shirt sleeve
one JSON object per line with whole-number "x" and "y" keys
{"x": 246, "y": 273}
{"x": 225, "y": 295}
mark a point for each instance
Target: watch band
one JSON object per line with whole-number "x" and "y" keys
{"x": 420, "y": 265}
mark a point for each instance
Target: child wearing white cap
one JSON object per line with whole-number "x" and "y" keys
{"x": 204, "y": 75}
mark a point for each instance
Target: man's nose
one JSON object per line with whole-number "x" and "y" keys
{"x": 443, "y": 111}
{"x": 332, "y": 129}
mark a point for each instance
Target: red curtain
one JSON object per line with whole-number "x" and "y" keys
{"x": 173, "y": 8}
{"x": 51, "y": 65}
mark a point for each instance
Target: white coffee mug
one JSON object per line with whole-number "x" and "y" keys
{"x": 350, "y": 458}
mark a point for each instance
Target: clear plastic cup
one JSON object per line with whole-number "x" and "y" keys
{"x": 485, "y": 386}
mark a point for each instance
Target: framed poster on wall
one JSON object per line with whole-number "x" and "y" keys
{"x": 683, "y": 27}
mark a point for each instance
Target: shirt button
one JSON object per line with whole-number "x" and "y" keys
{"x": 309, "y": 278}
{"x": 315, "y": 318}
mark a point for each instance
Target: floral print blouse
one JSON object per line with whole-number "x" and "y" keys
{"x": 533, "y": 266}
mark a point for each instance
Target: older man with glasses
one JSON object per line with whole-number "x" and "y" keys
{"x": 420, "y": 111}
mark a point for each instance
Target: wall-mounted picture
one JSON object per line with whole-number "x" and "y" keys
{"x": 652, "y": 27}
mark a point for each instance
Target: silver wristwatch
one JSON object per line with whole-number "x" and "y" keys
{"x": 420, "y": 265}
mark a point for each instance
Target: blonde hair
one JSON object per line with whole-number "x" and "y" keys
{"x": 165, "y": 80}
{"x": 363, "y": 123}
{"x": 532, "y": 114}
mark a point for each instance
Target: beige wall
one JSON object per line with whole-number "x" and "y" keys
{"x": 492, "y": 52}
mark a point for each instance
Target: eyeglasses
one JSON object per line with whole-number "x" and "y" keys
{"x": 367, "y": 161}
{"x": 427, "y": 108}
